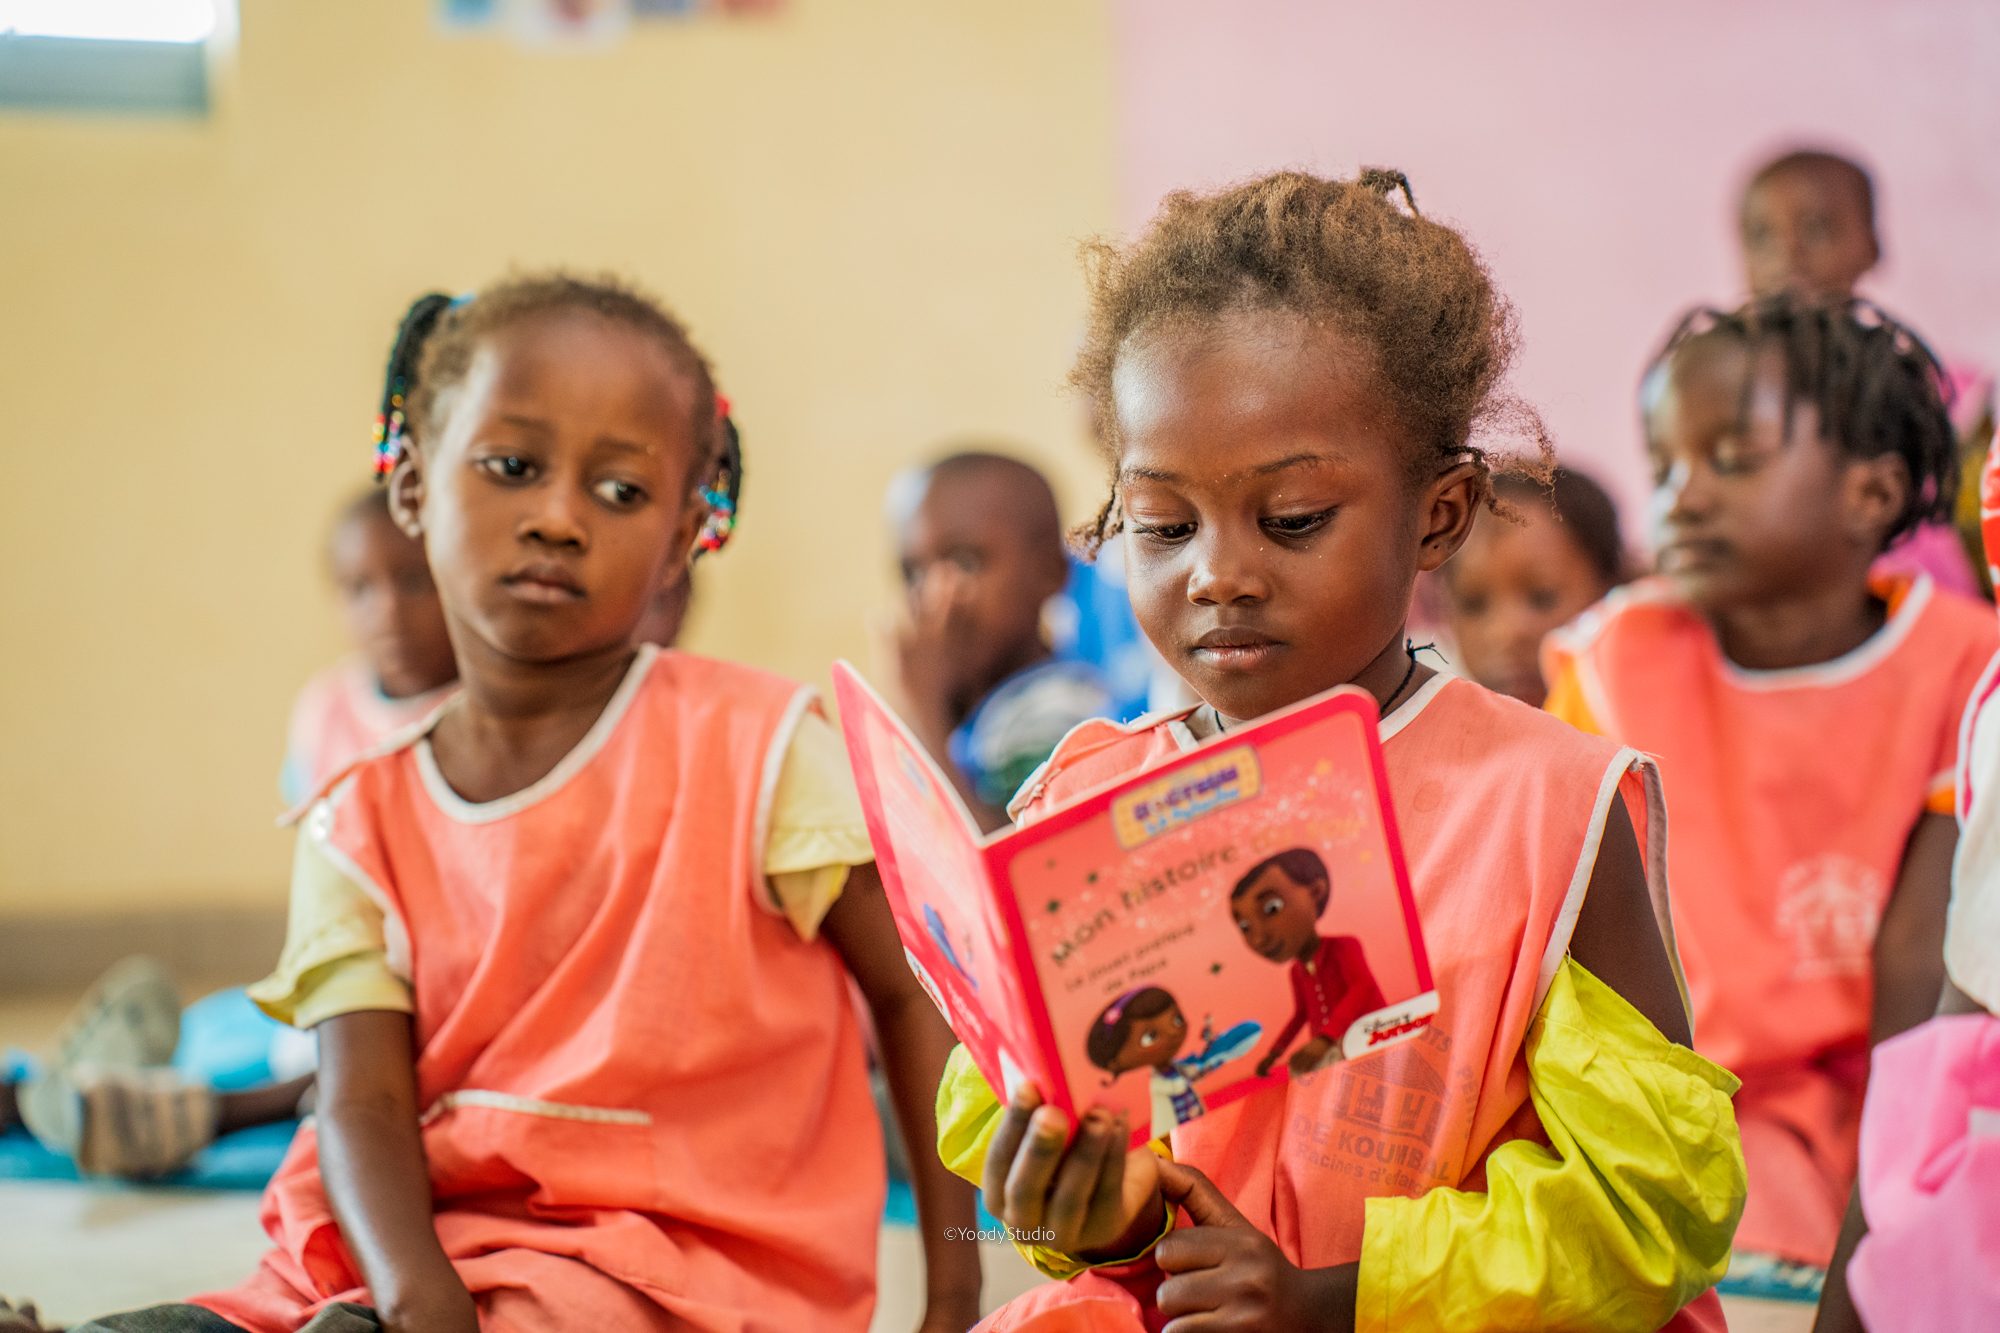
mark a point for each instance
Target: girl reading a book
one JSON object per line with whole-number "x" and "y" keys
{"x": 1277, "y": 906}
{"x": 1145, "y": 1029}
{"x": 1291, "y": 377}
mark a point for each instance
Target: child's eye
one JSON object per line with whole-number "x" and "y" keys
{"x": 1272, "y": 906}
{"x": 1733, "y": 460}
{"x": 620, "y": 493}
{"x": 511, "y": 466}
{"x": 1149, "y": 1038}
{"x": 1543, "y": 599}
{"x": 1164, "y": 534}
{"x": 1472, "y": 607}
{"x": 1298, "y": 525}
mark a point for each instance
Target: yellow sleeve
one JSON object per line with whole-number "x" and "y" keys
{"x": 817, "y": 831}
{"x": 968, "y": 1116}
{"x": 1623, "y": 1219}
{"x": 336, "y": 958}
{"x": 1566, "y": 699}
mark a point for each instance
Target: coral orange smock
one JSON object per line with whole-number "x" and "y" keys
{"x": 1430, "y": 1162}
{"x": 1794, "y": 794}
{"x": 648, "y": 1106}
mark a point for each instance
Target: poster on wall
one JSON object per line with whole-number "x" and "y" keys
{"x": 570, "y": 22}
{"x": 583, "y": 22}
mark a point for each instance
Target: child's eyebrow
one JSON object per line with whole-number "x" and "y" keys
{"x": 1294, "y": 460}
{"x": 616, "y": 445}
{"x": 1261, "y": 470}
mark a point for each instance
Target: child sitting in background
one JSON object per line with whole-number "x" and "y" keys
{"x": 401, "y": 668}
{"x": 981, "y": 549}
{"x": 1554, "y": 551}
{"x": 109, "y": 1099}
{"x": 1290, "y": 373}
{"x": 1805, "y": 718}
{"x": 577, "y": 950}
{"x": 1807, "y": 227}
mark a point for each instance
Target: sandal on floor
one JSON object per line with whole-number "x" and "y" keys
{"x": 129, "y": 1018}
{"x": 134, "y": 1123}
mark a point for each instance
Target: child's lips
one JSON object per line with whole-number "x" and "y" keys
{"x": 543, "y": 585}
{"x": 1693, "y": 553}
{"x": 1235, "y": 650}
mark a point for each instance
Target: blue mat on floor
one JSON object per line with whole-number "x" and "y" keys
{"x": 240, "y": 1161}
{"x": 245, "y": 1160}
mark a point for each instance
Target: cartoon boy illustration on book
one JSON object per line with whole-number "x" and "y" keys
{"x": 1145, "y": 1029}
{"x": 1277, "y": 906}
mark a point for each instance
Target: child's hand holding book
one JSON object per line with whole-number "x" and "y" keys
{"x": 1086, "y": 1197}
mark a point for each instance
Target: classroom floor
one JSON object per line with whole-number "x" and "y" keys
{"x": 80, "y": 1250}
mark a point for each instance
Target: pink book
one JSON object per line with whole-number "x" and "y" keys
{"x": 1234, "y": 915}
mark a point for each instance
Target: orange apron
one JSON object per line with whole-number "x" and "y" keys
{"x": 1500, "y": 808}
{"x": 648, "y": 1102}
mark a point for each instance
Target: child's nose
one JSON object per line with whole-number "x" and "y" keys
{"x": 556, "y": 518}
{"x": 1225, "y": 571}
{"x": 1682, "y": 493}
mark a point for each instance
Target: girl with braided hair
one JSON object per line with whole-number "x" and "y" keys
{"x": 1294, "y": 379}
{"x": 1805, "y": 716}
{"x": 577, "y": 948}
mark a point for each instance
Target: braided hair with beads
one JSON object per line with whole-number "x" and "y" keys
{"x": 392, "y": 420}
{"x": 1875, "y": 385}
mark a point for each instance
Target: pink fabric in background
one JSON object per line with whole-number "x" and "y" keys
{"x": 1930, "y": 1181}
{"x": 1594, "y": 152}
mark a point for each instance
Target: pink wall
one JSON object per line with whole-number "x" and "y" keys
{"x": 1593, "y": 151}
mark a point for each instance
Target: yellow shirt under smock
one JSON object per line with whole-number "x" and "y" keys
{"x": 1642, "y": 1159}
{"x": 336, "y": 957}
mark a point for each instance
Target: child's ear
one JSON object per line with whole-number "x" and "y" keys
{"x": 1450, "y": 504}
{"x": 406, "y": 495}
{"x": 1874, "y": 493}
{"x": 688, "y": 530}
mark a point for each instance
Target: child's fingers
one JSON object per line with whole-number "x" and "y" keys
{"x": 1196, "y": 1194}
{"x": 1194, "y": 1292}
{"x": 1108, "y": 1199}
{"x": 1006, "y": 1142}
{"x": 939, "y": 596}
{"x": 1077, "y": 1178}
{"x": 1193, "y": 1249}
{"x": 1026, "y": 1191}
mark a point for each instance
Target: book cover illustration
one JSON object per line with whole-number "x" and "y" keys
{"x": 1234, "y": 915}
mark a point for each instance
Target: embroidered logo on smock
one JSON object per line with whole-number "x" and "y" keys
{"x": 1828, "y": 908}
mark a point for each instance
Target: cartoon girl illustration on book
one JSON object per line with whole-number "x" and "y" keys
{"x": 935, "y": 925}
{"x": 1277, "y": 906}
{"x": 1145, "y": 1029}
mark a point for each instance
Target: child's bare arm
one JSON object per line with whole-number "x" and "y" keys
{"x": 1909, "y": 943}
{"x": 1617, "y": 937}
{"x": 376, "y": 1176}
{"x": 1911, "y": 936}
{"x": 915, "y": 1044}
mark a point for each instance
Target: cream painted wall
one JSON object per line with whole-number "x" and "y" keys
{"x": 866, "y": 209}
